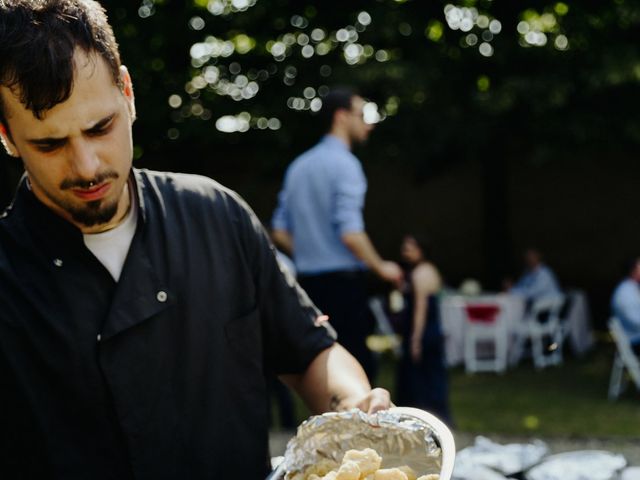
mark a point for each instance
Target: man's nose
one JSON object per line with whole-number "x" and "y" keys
{"x": 84, "y": 160}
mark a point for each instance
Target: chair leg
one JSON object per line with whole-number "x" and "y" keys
{"x": 470, "y": 353}
{"x": 537, "y": 350}
{"x": 517, "y": 349}
{"x": 554, "y": 352}
{"x": 501, "y": 352}
{"x": 616, "y": 379}
{"x": 558, "y": 340}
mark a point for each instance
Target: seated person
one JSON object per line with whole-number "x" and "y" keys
{"x": 538, "y": 280}
{"x": 625, "y": 303}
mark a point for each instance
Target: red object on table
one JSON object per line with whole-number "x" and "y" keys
{"x": 484, "y": 313}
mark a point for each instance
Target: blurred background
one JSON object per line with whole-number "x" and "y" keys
{"x": 500, "y": 125}
{"x": 503, "y": 124}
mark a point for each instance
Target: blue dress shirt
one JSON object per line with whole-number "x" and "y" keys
{"x": 537, "y": 283}
{"x": 625, "y": 305}
{"x": 322, "y": 199}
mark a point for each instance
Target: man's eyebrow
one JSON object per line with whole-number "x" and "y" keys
{"x": 99, "y": 125}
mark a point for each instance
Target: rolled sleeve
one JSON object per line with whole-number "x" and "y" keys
{"x": 351, "y": 187}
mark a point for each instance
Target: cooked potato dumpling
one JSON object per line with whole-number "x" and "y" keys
{"x": 368, "y": 460}
{"x": 358, "y": 465}
{"x": 390, "y": 474}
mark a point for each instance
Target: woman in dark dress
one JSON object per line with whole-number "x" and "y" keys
{"x": 422, "y": 375}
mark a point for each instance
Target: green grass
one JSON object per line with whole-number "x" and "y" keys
{"x": 565, "y": 401}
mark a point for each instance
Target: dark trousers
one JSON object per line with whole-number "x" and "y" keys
{"x": 343, "y": 296}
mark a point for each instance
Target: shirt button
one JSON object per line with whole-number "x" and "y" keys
{"x": 57, "y": 262}
{"x": 162, "y": 296}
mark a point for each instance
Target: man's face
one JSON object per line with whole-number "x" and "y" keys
{"x": 635, "y": 272}
{"x": 410, "y": 250}
{"x": 78, "y": 156}
{"x": 357, "y": 128}
{"x": 531, "y": 259}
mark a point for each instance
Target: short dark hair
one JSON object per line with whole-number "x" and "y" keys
{"x": 38, "y": 39}
{"x": 339, "y": 98}
{"x": 629, "y": 264}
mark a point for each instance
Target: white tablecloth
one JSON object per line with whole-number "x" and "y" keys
{"x": 453, "y": 317}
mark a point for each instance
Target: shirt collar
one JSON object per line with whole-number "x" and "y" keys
{"x": 139, "y": 184}
{"x": 40, "y": 218}
{"x": 333, "y": 141}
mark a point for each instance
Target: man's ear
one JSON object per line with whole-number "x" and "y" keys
{"x": 5, "y": 139}
{"x": 127, "y": 90}
{"x": 340, "y": 116}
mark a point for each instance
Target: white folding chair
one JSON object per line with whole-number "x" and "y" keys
{"x": 542, "y": 327}
{"x": 624, "y": 358}
{"x": 383, "y": 325}
{"x": 484, "y": 326}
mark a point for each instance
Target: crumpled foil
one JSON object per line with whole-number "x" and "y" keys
{"x": 398, "y": 438}
{"x": 579, "y": 465}
{"x": 506, "y": 459}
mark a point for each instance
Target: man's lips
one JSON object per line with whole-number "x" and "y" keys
{"x": 93, "y": 193}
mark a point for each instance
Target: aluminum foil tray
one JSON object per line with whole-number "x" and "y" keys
{"x": 400, "y": 435}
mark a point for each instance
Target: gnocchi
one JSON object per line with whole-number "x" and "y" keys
{"x": 358, "y": 465}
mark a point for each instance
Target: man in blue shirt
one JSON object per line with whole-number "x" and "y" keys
{"x": 625, "y": 303}
{"x": 538, "y": 280}
{"x": 319, "y": 220}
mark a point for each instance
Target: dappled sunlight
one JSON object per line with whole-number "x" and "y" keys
{"x": 536, "y": 29}
{"x": 480, "y": 29}
{"x": 268, "y": 69}
{"x": 244, "y": 121}
{"x": 228, "y": 78}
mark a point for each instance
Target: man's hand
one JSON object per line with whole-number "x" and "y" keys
{"x": 390, "y": 271}
{"x": 376, "y": 400}
{"x": 360, "y": 245}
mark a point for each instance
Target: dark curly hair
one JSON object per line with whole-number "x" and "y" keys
{"x": 38, "y": 39}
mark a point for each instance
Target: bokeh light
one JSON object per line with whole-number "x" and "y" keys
{"x": 370, "y": 113}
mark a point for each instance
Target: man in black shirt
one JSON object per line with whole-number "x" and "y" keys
{"x": 141, "y": 311}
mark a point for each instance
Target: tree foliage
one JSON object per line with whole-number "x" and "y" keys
{"x": 453, "y": 81}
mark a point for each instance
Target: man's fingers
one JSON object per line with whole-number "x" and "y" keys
{"x": 378, "y": 399}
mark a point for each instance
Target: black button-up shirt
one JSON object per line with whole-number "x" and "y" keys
{"x": 162, "y": 374}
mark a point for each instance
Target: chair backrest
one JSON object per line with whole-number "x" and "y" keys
{"x": 567, "y": 305}
{"x": 482, "y": 312}
{"x": 547, "y": 309}
{"x": 628, "y": 357}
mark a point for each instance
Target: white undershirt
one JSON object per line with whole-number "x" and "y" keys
{"x": 111, "y": 247}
